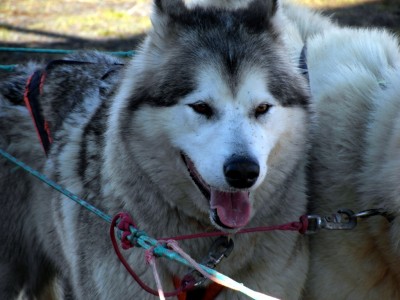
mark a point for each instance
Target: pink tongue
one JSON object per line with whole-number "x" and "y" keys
{"x": 233, "y": 209}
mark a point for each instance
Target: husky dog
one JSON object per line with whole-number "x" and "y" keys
{"x": 24, "y": 265}
{"x": 355, "y": 162}
{"x": 205, "y": 128}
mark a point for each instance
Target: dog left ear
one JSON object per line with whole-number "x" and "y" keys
{"x": 170, "y": 8}
{"x": 259, "y": 13}
{"x": 164, "y": 13}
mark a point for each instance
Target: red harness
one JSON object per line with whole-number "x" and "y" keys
{"x": 33, "y": 90}
{"x": 209, "y": 293}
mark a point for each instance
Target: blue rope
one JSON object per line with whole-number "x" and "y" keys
{"x": 53, "y": 51}
{"x": 60, "y": 51}
{"x": 56, "y": 186}
{"x": 35, "y": 50}
{"x": 7, "y": 67}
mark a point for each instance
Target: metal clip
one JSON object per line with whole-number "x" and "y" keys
{"x": 344, "y": 219}
{"x": 220, "y": 248}
{"x": 375, "y": 212}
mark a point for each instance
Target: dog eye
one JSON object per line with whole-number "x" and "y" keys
{"x": 262, "y": 109}
{"x": 202, "y": 108}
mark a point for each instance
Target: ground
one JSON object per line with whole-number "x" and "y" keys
{"x": 118, "y": 25}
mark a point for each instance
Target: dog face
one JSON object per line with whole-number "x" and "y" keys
{"x": 227, "y": 137}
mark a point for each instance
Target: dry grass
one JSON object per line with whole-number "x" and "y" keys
{"x": 24, "y": 21}
{"x": 84, "y": 18}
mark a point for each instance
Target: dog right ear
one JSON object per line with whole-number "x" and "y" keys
{"x": 259, "y": 13}
{"x": 164, "y": 13}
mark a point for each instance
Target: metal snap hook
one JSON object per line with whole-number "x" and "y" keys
{"x": 344, "y": 219}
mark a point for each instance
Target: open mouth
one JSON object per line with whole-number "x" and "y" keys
{"x": 228, "y": 210}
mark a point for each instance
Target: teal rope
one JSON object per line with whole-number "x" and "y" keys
{"x": 56, "y": 186}
{"x": 7, "y": 67}
{"x": 60, "y": 51}
{"x": 35, "y": 50}
{"x": 53, "y": 51}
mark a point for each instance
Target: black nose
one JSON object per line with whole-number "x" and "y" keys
{"x": 241, "y": 172}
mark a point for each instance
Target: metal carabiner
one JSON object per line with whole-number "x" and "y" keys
{"x": 220, "y": 248}
{"x": 344, "y": 219}
{"x": 375, "y": 212}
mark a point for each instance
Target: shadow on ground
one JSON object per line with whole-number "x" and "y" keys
{"x": 373, "y": 14}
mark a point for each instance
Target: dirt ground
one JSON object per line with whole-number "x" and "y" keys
{"x": 377, "y": 14}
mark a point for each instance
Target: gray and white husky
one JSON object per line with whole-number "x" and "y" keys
{"x": 205, "y": 128}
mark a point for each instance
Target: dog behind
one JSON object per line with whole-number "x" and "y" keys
{"x": 354, "y": 79}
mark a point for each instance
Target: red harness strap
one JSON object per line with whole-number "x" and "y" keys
{"x": 33, "y": 90}
{"x": 210, "y": 292}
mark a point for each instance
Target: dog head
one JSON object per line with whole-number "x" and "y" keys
{"x": 213, "y": 94}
